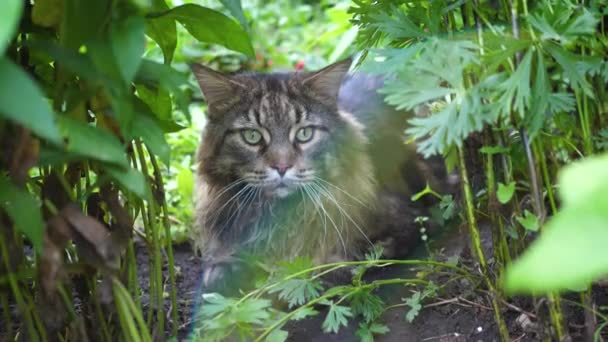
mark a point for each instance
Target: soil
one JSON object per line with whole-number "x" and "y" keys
{"x": 457, "y": 314}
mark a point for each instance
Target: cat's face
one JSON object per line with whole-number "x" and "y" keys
{"x": 274, "y": 132}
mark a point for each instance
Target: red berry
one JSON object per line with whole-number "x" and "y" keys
{"x": 300, "y": 65}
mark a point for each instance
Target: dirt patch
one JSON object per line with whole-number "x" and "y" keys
{"x": 457, "y": 314}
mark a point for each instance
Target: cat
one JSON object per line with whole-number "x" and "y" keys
{"x": 302, "y": 164}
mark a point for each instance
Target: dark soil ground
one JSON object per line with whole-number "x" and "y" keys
{"x": 456, "y": 314}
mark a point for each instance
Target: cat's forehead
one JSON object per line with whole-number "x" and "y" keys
{"x": 277, "y": 99}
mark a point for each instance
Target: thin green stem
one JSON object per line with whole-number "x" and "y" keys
{"x": 167, "y": 225}
{"x": 476, "y": 244}
{"x": 156, "y": 244}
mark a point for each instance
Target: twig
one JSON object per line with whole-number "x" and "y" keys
{"x": 454, "y": 334}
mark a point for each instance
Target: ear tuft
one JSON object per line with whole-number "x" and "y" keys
{"x": 327, "y": 81}
{"x": 219, "y": 89}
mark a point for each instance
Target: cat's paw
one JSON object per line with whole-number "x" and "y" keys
{"x": 216, "y": 270}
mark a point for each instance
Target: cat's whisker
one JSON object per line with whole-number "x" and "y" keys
{"x": 339, "y": 189}
{"x": 306, "y": 189}
{"x": 343, "y": 212}
{"x": 224, "y": 190}
{"x": 318, "y": 199}
{"x": 230, "y": 201}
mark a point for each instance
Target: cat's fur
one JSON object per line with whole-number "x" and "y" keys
{"x": 336, "y": 199}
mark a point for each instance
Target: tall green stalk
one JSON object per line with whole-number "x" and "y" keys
{"x": 167, "y": 225}
{"x": 477, "y": 246}
{"x": 156, "y": 254}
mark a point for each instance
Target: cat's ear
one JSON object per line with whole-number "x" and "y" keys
{"x": 327, "y": 81}
{"x": 220, "y": 90}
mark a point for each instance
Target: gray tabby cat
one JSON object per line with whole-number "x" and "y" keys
{"x": 287, "y": 168}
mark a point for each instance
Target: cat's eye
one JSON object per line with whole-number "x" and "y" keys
{"x": 251, "y": 136}
{"x": 304, "y": 134}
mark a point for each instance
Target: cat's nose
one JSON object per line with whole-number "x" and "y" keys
{"x": 281, "y": 168}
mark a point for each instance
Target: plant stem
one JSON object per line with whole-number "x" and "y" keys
{"x": 476, "y": 244}
{"x": 167, "y": 225}
{"x": 156, "y": 244}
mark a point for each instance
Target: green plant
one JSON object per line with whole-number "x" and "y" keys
{"x": 83, "y": 118}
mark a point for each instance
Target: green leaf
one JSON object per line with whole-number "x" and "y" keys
{"x": 235, "y": 8}
{"x": 11, "y": 13}
{"x": 156, "y": 75}
{"x": 529, "y": 221}
{"x": 84, "y": 21}
{"x": 298, "y": 291}
{"x": 366, "y": 331}
{"x": 516, "y": 89}
{"x": 157, "y": 99}
{"x": 24, "y": 211}
{"x": 336, "y": 318}
{"x": 579, "y": 181}
{"x": 211, "y": 26}
{"x": 22, "y": 102}
{"x": 163, "y": 31}
{"x": 571, "y": 252}
{"x": 153, "y": 136}
{"x": 414, "y": 302}
{"x": 128, "y": 45}
{"x": 304, "y": 312}
{"x": 366, "y": 304}
{"x": 95, "y": 143}
{"x": 47, "y": 13}
{"x": 130, "y": 178}
{"x": 505, "y": 192}
{"x": 277, "y": 335}
{"x": 567, "y": 61}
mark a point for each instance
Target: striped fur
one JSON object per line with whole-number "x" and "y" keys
{"x": 326, "y": 208}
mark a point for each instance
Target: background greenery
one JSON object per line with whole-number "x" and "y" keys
{"x": 99, "y": 119}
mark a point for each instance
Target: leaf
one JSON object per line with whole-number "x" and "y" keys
{"x": 235, "y": 8}
{"x": 157, "y": 99}
{"x": 153, "y": 136}
{"x": 366, "y": 331}
{"x": 211, "y": 26}
{"x": 529, "y": 221}
{"x": 253, "y": 310}
{"x": 516, "y": 89}
{"x": 303, "y": 312}
{"x": 367, "y": 304}
{"x": 298, "y": 291}
{"x": 163, "y": 31}
{"x": 571, "y": 252}
{"x": 92, "y": 142}
{"x": 128, "y": 45}
{"x": 414, "y": 302}
{"x": 579, "y": 181}
{"x": 336, "y": 317}
{"x": 22, "y": 102}
{"x": 83, "y": 22}
{"x": 24, "y": 211}
{"x": 130, "y": 178}
{"x": 505, "y": 192}
{"x": 11, "y": 13}
{"x": 47, "y": 13}
{"x": 567, "y": 61}
{"x": 156, "y": 75}
{"x": 277, "y": 335}
{"x": 92, "y": 238}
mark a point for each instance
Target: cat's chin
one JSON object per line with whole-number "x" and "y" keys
{"x": 279, "y": 192}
